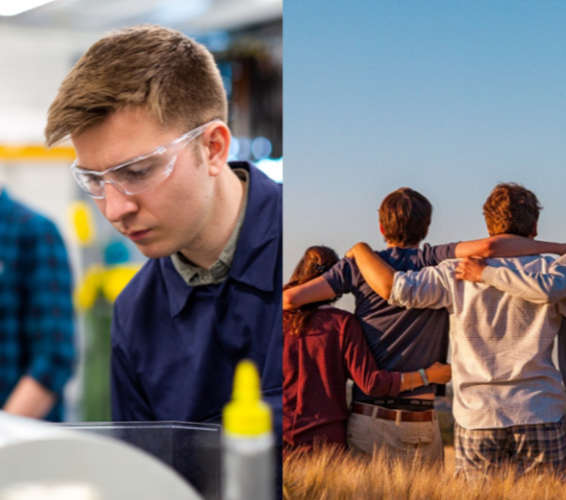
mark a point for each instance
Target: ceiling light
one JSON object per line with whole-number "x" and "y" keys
{"x": 11, "y": 8}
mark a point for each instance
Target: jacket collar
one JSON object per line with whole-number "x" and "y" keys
{"x": 259, "y": 245}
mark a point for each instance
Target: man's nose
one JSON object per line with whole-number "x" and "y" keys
{"x": 117, "y": 205}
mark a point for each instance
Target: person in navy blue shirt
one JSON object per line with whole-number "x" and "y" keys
{"x": 146, "y": 111}
{"x": 37, "y": 350}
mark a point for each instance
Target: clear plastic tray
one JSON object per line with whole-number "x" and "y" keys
{"x": 193, "y": 450}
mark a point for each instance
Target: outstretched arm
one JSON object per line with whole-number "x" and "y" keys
{"x": 377, "y": 273}
{"x": 507, "y": 245}
{"x": 316, "y": 290}
{"x": 540, "y": 288}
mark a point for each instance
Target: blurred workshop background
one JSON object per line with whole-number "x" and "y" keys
{"x": 38, "y": 47}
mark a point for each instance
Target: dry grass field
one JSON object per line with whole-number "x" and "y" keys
{"x": 328, "y": 474}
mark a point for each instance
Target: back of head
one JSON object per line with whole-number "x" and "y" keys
{"x": 174, "y": 78}
{"x": 405, "y": 216}
{"x": 314, "y": 263}
{"x": 511, "y": 209}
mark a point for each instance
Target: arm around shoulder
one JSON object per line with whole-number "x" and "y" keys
{"x": 427, "y": 288}
{"x": 316, "y": 290}
{"x": 377, "y": 273}
{"x": 507, "y": 245}
{"x": 540, "y": 288}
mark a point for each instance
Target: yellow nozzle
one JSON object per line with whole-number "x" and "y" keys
{"x": 246, "y": 414}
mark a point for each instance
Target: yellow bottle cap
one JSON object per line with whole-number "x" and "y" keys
{"x": 246, "y": 414}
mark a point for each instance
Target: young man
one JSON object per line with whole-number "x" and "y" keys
{"x": 146, "y": 111}
{"x": 509, "y": 402}
{"x": 37, "y": 350}
{"x": 400, "y": 339}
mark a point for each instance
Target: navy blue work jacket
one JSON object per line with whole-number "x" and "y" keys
{"x": 175, "y": 347}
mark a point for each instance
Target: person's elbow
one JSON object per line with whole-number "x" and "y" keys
{"x": 383, "y": 288}
{"x": 552, "y": 289}
{"x": 490, "y": 247}
{"x": 289, "y": 300}
{"x": 387, "y": 289}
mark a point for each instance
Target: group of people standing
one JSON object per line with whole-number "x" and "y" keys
{"x": 509, "y": 399}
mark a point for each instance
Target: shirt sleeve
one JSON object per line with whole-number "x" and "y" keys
{"x": 540, "y": 288}
{"x": 426, "y": 288}
{"x": 361, "y": 364}
{"x": 340, "y": 277}
{"x": 128, "y": 400}
{"x": 48, "y": 308}
{"x": 434, "y": 255}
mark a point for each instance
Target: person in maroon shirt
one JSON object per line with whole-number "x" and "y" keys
{"x": 322, "y": 348}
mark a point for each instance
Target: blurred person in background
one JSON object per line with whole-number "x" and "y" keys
{"x": 322, "y": 348}
{"x": 146, "y": 111}
{"x": 37, "y": 351}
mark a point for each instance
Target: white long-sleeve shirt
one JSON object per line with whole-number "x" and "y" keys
{"x": 502, "y": 367}
{"x": 538, "y": 287}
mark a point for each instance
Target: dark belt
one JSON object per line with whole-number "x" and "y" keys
{"x": 401, "y": 403}
{"x": 403, "y": 416}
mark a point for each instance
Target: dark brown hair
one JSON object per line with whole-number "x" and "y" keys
{"x": 174, "y": 78}
{"x": 315, "y": 262}
{"x": 404, "y": 216}
{"x": 511, "y": 209}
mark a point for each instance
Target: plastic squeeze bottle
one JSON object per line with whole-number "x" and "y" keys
{"x": 248, "y": 441}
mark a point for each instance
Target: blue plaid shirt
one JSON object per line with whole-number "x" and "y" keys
{"x": 36, "y": 311}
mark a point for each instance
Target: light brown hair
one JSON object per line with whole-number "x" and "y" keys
{"x": 404, "y": 216}
{"x": 172, "y": 76}
{"x": 315, "y": 262}
{"x": 511, "y": 209}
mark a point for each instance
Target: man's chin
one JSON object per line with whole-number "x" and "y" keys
{"x": 153, "y": 252}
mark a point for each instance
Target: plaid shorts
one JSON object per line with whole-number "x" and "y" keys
{"x": 527, "y": 448}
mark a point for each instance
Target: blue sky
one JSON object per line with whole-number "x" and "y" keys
{"x": 447, "y": 97}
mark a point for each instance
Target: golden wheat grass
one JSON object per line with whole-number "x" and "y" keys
{"x": 329, "y": 473}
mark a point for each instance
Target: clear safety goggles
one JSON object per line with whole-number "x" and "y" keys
{"x": 138, "y": 174}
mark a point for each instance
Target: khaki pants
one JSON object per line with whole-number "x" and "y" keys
{"x": 404, "y": 440}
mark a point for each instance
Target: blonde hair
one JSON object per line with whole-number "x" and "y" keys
{"x": 175, "y": 78}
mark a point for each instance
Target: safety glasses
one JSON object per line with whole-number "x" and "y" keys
{"x": 138, "y": 174}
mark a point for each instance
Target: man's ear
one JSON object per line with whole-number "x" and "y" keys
{"x": 381, "y": 230}
{"x": 535, "y": 231}
{"x": 216, "y": 142}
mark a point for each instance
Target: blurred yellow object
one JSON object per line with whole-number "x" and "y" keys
{"x": 36, "y": 152}
{"x": 87, "y": 291}
{"x": 246, "y": 414}
{"x": 116, "y": 278}
{"x": 110, "y": 281}
{"x": 82, "y": 222}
